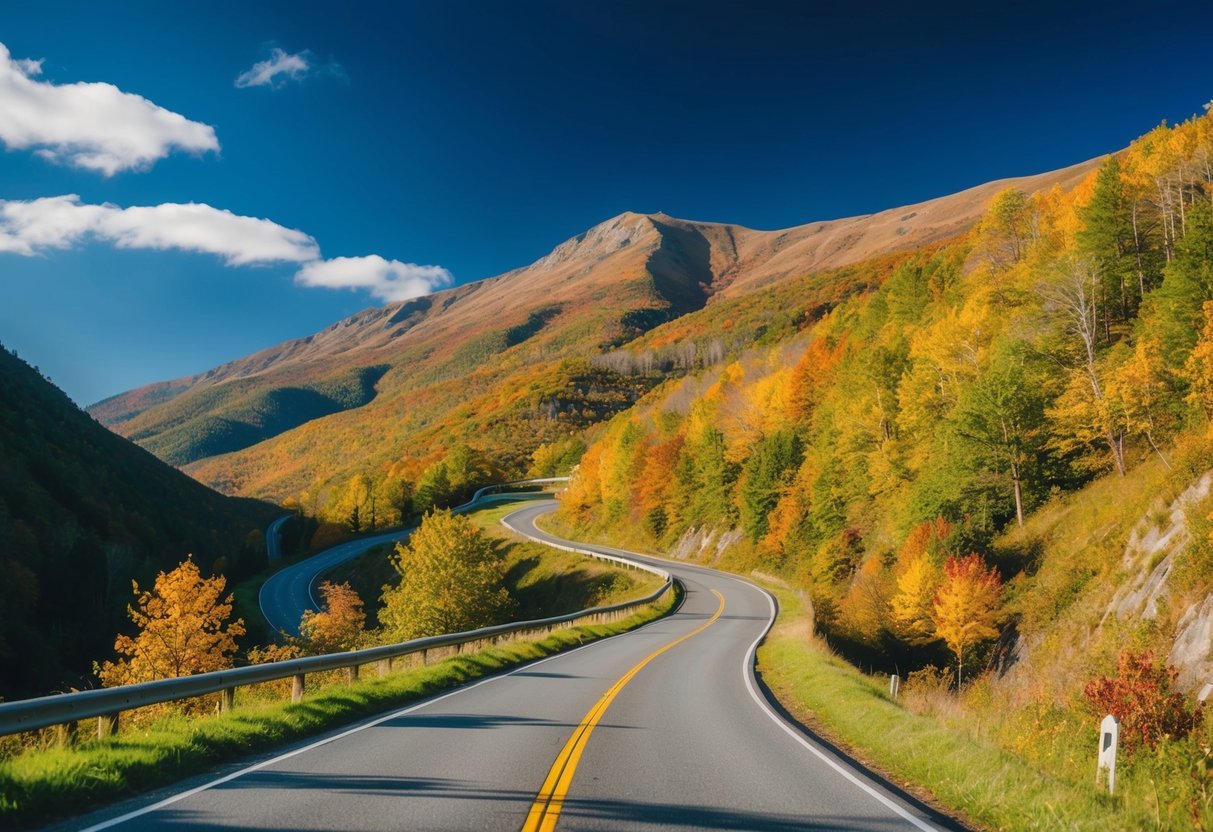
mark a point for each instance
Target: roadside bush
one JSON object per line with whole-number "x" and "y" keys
{"x": 1140, "y": 696}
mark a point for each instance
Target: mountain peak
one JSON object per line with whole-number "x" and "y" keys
{"x": 601, "y": 241}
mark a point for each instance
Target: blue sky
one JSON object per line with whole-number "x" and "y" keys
{"x": 473, "y": 137}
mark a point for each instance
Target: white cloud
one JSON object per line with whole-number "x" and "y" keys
{"x": 29, "y": 67}
{"x": 30, "y": 226}
{"x": 90, "y": 125}
{"x": 275, "y": 70}
{"x": 388, "y": 280}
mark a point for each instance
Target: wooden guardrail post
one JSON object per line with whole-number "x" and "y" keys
{"x": 107, "y": 725}
{"x": 297, "y": 686}
{"x": 227, "y": 700}
{"x": 351, "y": 674}
{"x": 63, "y": 734}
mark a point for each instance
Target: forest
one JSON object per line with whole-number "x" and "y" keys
{"x": 83, "y": 513}
{"x": 881, "y": 454}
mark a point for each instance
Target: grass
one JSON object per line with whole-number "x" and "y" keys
{"x": 42, "y": 784}
{"x": 945, "y": 764}
{"x": 956, "y": 755}
{"x": 542, "y": 580}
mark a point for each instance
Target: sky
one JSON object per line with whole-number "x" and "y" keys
{"x": 179, "y": 188}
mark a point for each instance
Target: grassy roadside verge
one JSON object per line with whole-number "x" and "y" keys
{"x": 988, "y": 787}
{"x": 943, "y": 763}
{"x": 41, "y": 785}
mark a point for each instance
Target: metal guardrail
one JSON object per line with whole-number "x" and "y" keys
{"x": 107, "y": 703}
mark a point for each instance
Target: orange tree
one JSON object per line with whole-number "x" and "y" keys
{"x": 339, "y": 626}
{"x": 183, "y": 629}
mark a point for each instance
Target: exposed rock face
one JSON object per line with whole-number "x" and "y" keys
{"x": 1150, "y": 555}
{"x": 704, "y": 545}
{"x": 1190, "y": 653}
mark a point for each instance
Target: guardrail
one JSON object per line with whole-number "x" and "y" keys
{"x": 107, "y": 703}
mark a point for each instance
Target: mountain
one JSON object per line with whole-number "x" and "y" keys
{"x": 503, "y": 364}
{"x": 82, "y": 513}
{"x": 990, "y": 472}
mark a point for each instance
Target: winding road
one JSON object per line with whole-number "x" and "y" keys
{"x": 291, "y": 591}
{"x": 661, "y": 728}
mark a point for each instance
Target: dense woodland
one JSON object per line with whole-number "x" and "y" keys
{"x": 877, "y": 455}
{"x": 83, "y": 513}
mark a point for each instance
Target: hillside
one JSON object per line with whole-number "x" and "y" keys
{"x": 504, "y": 364}
{"x": 991, "y": 473}
{"x": 82, "y": 513}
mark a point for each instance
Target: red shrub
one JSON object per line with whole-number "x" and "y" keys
{"x": 1140, "y": 696}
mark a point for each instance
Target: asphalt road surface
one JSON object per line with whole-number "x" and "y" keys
{"x": 288, "y": 592}
{"x": 662, "y": 728}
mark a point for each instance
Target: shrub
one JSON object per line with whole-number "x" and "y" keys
{"x": 1140, "y": 696}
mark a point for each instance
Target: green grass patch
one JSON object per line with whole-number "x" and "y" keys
{"x": 945, "y": 764}
{"x": 42, "y": 784}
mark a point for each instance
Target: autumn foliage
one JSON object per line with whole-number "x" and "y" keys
{"x": 339, "y": 625}
{"x": 966, "y": 607}
{"x": 183, "y": 629}
{"x": 451, "y": 577}
{"x": 1142, "y": 697}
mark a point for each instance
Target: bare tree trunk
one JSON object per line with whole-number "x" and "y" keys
{"x": 1141, "y": 274}
{"x": 1015, "y": 478}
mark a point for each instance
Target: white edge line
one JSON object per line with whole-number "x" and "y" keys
{"x": 168, "y": 801}
{"x": 747, "y": 673}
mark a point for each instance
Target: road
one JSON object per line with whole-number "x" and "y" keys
{"x": 662, "y": 728}
{"x": 290, "y": 591}
{"x": 273, "y": 538}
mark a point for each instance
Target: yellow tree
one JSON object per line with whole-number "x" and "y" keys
{"x": 1141, "y": 390}
{"x": 966, "y": 608}
{"x": 451, "y": 577}
{"x": 339, "y": 626}
{"x": 1199, "y": 367}
{"x": 183, "y": 630}
{"x": 911, "y": 604}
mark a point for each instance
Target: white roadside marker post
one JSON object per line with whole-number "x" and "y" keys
{"x": 1109, "y": 736}
{"x": 894, "y": 686}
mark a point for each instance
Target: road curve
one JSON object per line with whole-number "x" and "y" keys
{"x": 291, "y": 591}
{"x": 273, "y": 538}
{"x": 287, "y": 593}
{"x": 662, "y": 728}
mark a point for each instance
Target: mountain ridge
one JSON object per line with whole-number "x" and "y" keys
{"x": 594, "y": 291}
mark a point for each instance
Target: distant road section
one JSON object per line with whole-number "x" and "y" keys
{"x": 290, "y": 592}
{"x": 273, "y": 538}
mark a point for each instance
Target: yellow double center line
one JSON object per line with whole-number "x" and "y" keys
{"x": 549, "y": 802}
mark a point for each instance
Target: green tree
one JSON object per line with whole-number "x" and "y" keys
{"x": 767, "y": 472}
{"x": 1107, "y": 239}
{"x": 1174, "y": 316}
{"x": 1000, "y": 422}
{"x": 433, "y": 488}
{"x": 714, "y": 476}
{"x": 1007, "y": 229}
{"x": 451, "y": 577}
